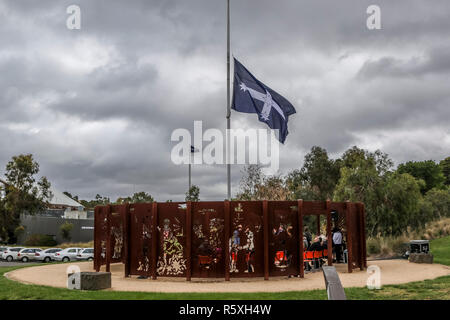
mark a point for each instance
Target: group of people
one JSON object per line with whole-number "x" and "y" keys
{"x": 320, "y": 243}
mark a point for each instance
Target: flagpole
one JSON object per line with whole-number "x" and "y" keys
{"x": 189, "y": 176}
{"x": 228, "y": 104}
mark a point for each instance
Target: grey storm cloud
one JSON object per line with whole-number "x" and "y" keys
{"x": 97, "y": 106}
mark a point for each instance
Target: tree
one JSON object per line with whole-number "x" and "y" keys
{"x": 439, "y": 202}
{"x": 98, "y": 201}
{"x": 193, "y": 194}
{"x": 252, "y": 178}
{"x": 297, "y": 187}
{"x": 22, "y": 193}
{"x": 273, "y": 188}
{"x": 255, "y": 185}
{"x": 445, "y": 167}
{"x": 139, "y": 197}
{"x": 392, "y": 200}
{"x": 428, "y": 171}
{"x": 319, "y": 173}
{"x": 402, "y": 204}
{"x": 65, "y": 230}
{"x": 353, "y": 157}
{"x": 362, "y": 182}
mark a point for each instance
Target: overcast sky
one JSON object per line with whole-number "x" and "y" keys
{"x": 96, "y": 106}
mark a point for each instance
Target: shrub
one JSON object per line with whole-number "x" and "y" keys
{"x": 40, "y": 240}
{"x": 65, "y": 229}
{"x": 89, "y": 244}
{"x": 373, "y": 246}
{"x": 19, "y": 231}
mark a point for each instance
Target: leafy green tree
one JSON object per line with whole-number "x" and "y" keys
{"x": 439, "y": 202}
{"x": 402, "y": 201}
{"x": 319, "y": 173}
{"x": 66, "y": 230}
{"x": 257, "y": 186}
{"x": 21, "y": 193}
{"x": 98, "y": 201}
{"x": 392, "y": 200}
{"x": 353, "y": 157}
{"x": 298, "y": 188}
{"x": 428, "y": 171}
{"x": 193, "y": 194}
{"x": 139, "y": 197}
{"x": 252, "y": 179}
{"x": 445, "y": 167}
{"x": 362, "y": 182}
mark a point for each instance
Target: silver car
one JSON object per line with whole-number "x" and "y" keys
{"x": 69, "y": 254}
{"x": 86, "y": 254}
{"x": 28, "y": 254}
{"x": 47, "y": 255}
{"x": 11, "y": 253}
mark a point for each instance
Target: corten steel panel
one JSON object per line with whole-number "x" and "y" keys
{"x": 314, "y": 208}
{"x": 208, "y": 240}
{"x": 246, "y": 242}
{"x": 363, "y": 234}
{"x": 301, "y": 262}
{"x": 354, "y": 234}
{"x": 118, "y": 212}
{"x": 140, "y": 239}
{"x": 171, "y": 239}
{"x": 283, "y": 238}
{"x": 100, "y": 232}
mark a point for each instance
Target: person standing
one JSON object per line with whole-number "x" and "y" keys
{"x": 337, "y": 244}
{"x": 308, "y": 236}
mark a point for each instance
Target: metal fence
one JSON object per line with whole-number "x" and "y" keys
{"x": 228, "y": 239}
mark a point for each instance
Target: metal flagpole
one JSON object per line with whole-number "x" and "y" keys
{"x": 189, "y": 176}
{"x": 228, "y": 104}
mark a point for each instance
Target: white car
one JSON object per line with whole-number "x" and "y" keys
{"x": 2, "y": 249}
{"x": 10, "y": 254}
{"x": 28, "y": 254}
{"x": 86, "y": 254}
{"x": 47, "y": 255}
{"x": 69, "y": 254}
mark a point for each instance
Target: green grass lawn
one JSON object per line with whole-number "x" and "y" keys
{"x": 429, "y": 289}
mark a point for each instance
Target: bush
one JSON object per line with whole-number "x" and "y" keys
{"x": 19, "y": 231}
{"x": 398, "y": 245}
{"x": 373, "y": 246}
{"x": 89, "y": 244}
{"x": 65, "y": 230}
{"x": 40, "y": 240}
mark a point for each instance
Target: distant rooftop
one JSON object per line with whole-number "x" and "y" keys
{"x": 60, "y": 199}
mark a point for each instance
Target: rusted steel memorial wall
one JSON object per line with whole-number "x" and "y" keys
{"x": 228, "y": 239}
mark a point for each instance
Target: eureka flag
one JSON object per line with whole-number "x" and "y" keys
{"x": 252, "y": 96}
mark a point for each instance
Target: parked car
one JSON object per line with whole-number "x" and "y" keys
{"x": 11, "y": 253}
{"x": 69, "y": 254}
{"x": 47, "y": 255}
{"x": 86, "y": 254}
{"x": 28, "y": 254}
{"x": 2, "y": 249}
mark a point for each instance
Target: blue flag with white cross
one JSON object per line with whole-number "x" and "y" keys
{"x": 252, "y": 96}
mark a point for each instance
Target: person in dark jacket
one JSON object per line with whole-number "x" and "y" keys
{"x": 308, "y": 236}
